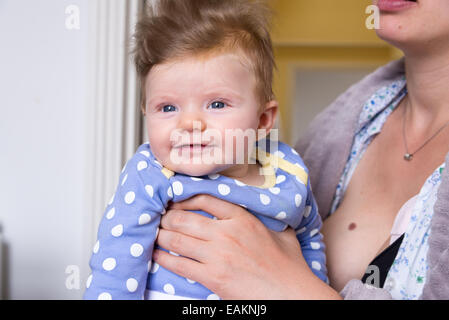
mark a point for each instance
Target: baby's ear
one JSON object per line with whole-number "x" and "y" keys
{"x": 268, "y": 117}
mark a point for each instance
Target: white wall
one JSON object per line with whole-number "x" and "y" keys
{"x": 43, "y": 207}
{"x": 315, "y": 89}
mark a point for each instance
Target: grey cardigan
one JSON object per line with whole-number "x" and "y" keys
{"x": 325, "y": 149}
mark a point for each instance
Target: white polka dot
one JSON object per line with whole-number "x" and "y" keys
{"x": 281, "y": 215}
{"x": 145, "y": 153}
{"x": 154, "y": 268}
{"x": 142, "y": 165}
{"x": 294, "y": 151}
{"x": 313, "y": 232}
{"x": 124, "y": 179}
{"x": 315, "y": 245}
{"x": 136, "y": 250}
{"x": 279, "y": 154}
{"x": 129, "y": 197}
{"x": 97, "y": 246}
{"x": 298, "y": 200}
{"x": 242, "y": 205}
{"x": 173, "y": 253}
{"x": 239, "y": 183}
{"x": 112, "y": 199}
{"x": 132, "y": 284}
{"x": 123, "y": 169}
{"x": 149, "y": 190}
{"x": 117, "y": 231}
{"x": 109, "y": 264}
{"x": 280, "y": 179}
{"x": 196, "y": 179}
{"x": 150, "y": 263}
{"x": 307, "y": 211}
{"x": 110, "y": 214}
{"x": 213, "y": 296}
{"x": 224, "y": 189}
{"x": 213, "y": 176}
{"x": 177, "y": 188}
{"x": 302, "y": 230}
{"x": 89, "y": 281}
{"x": 316, "y": 265}
{"x": 190, "y": 281}
{"x": 275, "y": 190}
{"x": 170, "y": 192}
{"x": 168, "y": 288}
{"x": 105, "y": 296}
{"x": 158, "y": 163}
{"x": 264, "y": 199}
{"x": 144, "y": 218}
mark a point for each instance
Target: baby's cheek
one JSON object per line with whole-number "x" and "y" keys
{"x": 159, "y": 147}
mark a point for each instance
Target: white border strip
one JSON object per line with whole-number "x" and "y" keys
{"x": 156, "y": 295}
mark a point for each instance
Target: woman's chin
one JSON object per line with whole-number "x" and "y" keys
{"x": 397, "y": 34}
{"x": 408, "y": 30}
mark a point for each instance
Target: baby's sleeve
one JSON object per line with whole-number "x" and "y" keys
{"x": 121, "y": 257}
{"x": 310, "y": 238}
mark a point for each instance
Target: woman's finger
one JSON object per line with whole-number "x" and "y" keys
{"x": 184, "y": 267}
{"x": 218, "y": 208}
{"x": 179, "y": 244}
{"x": 188, "y": 223}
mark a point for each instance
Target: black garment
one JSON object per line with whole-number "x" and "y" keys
{"x": 383, "y": 263}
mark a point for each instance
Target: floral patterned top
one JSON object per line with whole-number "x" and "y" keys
{"x": 407, "y": 275}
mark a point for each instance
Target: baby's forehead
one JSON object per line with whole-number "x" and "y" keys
{"x": 221, "y": 69}
{"x": 208, "y": 58}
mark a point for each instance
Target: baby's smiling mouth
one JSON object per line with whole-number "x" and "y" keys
{"x": 194, "y": 146}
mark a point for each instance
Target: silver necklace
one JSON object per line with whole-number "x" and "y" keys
{"x": 408, "y": 156}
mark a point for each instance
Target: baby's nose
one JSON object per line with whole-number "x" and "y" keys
{"x": 192, "y": 122}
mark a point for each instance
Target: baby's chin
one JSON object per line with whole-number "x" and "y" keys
{"x": 196, "y": 170}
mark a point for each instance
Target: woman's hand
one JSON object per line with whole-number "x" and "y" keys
{"x": 235, "y": 256}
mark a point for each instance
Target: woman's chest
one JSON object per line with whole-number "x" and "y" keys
{"x": 380, "y": 185}
{"x": 360, "y": 228}
{"x": 355, "y": 234}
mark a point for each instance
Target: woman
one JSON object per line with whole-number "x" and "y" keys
{"x": 376, "y": 158}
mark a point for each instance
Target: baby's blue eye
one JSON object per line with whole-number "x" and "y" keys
{"x": 168, "y": 108}
{"x": 217, "y": 105}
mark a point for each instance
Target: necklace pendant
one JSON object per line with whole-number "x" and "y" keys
{"x": 408, "y": 157}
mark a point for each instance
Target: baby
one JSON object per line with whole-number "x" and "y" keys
{"x": 206, "y": 69}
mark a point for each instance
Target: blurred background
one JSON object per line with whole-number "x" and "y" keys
{"x": 70, "y": 117}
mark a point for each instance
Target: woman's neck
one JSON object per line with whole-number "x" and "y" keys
{"x": 427, "y": 78}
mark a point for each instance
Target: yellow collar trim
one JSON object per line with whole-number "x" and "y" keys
{"x": 268, "y": 162}
{"x": 167, "y": 173}
{"x": 277, "y": 162}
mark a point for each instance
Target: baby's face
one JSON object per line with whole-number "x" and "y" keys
{"x": 195, "y": 107}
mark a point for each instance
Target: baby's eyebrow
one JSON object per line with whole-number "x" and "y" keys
{"x": 223, "y": 93}
{"x": 160, "y": 99}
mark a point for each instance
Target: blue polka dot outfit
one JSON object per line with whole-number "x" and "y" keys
{"x": 121, "y": 260}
